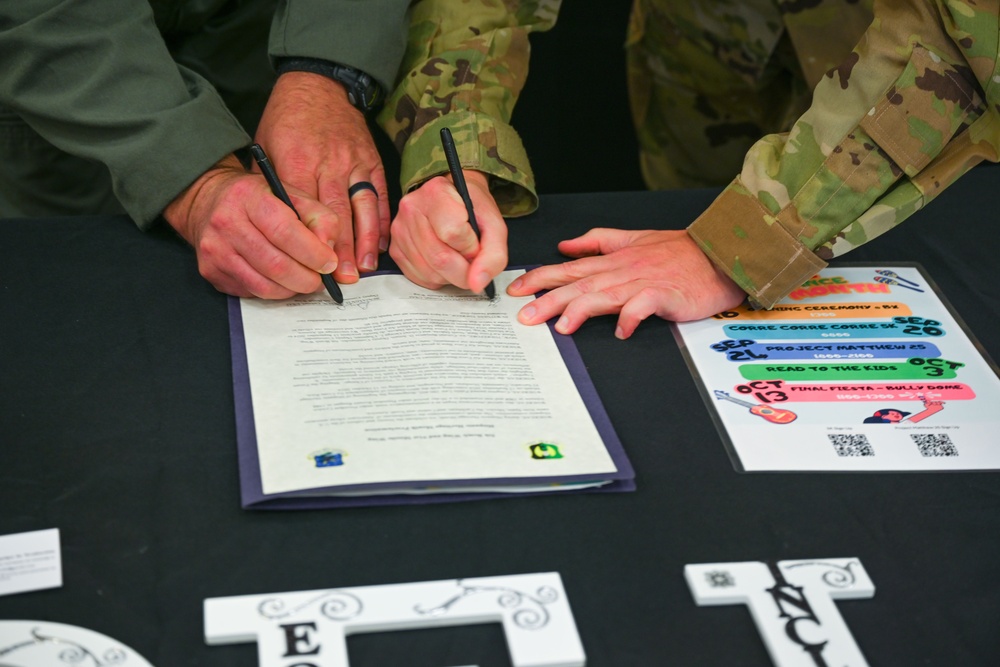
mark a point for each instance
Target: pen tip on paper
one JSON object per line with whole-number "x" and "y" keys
{"x": 332, "y": 288}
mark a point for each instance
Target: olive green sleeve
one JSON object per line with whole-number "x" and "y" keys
{"x": 465, "y": 65}
{"x": 96, "y": 80}
{"x": 915, "y": 106}
{"x": 369, "y": 35}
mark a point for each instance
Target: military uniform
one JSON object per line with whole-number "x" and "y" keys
{"x": 141, "y": 97}
{"x": 123, "y": 103}
{"x": 892, "y": 121}
{"x": 465, "y": 65}
{"x": 707, "y": 79}
{"x": 867, "y": 111}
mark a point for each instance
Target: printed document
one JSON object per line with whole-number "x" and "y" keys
{"x": 404, "y": 389}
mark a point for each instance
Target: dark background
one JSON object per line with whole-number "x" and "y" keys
{"x": 573, "y": 114}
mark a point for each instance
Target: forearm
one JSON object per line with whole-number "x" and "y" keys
{"x": 464, "y": 69}
{"x": 886, "y": 132}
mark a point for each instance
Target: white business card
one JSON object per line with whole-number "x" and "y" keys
{"x": 30, "y": 561}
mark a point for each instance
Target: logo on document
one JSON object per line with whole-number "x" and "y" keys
{"x": 328, "y": 458}
{"x": 544, "y": 450}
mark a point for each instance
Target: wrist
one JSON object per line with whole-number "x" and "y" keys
{"x": 474, "y": 177}
{"x": 307, "y": 85}
{"x": 180, "y": 211}
{"x": 363, "y": 92}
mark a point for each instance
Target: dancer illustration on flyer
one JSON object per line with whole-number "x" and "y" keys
{"x": 894, "y": 416}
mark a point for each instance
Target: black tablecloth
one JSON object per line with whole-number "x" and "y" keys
{"x": 116, "y": 426}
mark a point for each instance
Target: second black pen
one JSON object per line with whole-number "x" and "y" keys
{"x": 458, "y": 178}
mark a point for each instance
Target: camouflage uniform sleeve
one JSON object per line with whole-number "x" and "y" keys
{"x": 464, "y": 67}
{"x": 915, "y": 106}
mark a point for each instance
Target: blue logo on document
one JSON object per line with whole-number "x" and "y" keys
{"x": 328, "y": 458}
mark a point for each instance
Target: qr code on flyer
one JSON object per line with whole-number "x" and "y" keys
{"x": 851, "y": 444}
{"x": 934, "y": 444}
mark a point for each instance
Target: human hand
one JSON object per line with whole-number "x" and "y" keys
{"x": 634, "y": 273}
{"x": 929, "y": 402}
{"x": 433, "y": 242}
{"x": 248, "y": 242}
{"x": 320, "y": 144}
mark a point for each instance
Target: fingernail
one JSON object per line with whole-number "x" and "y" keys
{"x": 516, "y": 285}
{"x": 484, "y": 278}
{"x": 562, "y": 325}
{"x": 330, "y": 243}
{"x": 348, "y": 268}
{"x": 527, "y": 314}
{"x": 329, "y": 267}
{"x": 619, "y": 334}
{"x": 383, "y": 244}
{"x": 368, "y": 263}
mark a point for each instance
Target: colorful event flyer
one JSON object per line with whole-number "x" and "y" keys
{"x": 861, "y": 368}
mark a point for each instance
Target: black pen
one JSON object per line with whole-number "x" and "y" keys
{"x": 458, "y": 178}
{"x": 279, "y": 191}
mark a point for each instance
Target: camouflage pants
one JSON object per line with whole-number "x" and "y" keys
{"x": 707, "y": 79}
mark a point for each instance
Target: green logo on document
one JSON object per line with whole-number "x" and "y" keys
{"x": 544, "y": 450}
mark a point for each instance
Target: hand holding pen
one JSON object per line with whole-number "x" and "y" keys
{"x": 279, "y": 191}
{"x": 432, "y": 240}
{"x": 246, "y": 241}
